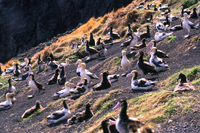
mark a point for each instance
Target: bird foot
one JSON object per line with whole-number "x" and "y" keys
{"x": 30, "y": 96}
{"x": 186, "y": 36}
{"x": 88, "y": 58}
{"x": 124, "y": 74}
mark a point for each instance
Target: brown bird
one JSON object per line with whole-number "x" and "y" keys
{"x": 62, "y": 77}
{"x": 107, "y": 125}
{"x": 80, "y": 116}
{"x": 53, "y": 79}
{"x": 33, "y": 109}
{"x": 183, "y": 85}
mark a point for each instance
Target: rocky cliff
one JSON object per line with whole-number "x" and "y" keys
{"x": 26, "y": 23}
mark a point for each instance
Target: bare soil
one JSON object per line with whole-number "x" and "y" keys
{"x": 182, "y": 55}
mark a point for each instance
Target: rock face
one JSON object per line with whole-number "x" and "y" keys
{"x": 26, "y": 23}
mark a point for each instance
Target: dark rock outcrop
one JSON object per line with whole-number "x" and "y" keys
{"x": 26, "y": 23}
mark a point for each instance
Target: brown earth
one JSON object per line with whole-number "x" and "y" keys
{"x": 183, "y": 54}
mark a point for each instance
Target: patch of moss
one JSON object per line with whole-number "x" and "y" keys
{"x": 73, "y": 58}
{"x": 171, "y": 38}
{"x": 188, "y": 3}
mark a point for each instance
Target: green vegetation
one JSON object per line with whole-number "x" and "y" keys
{"x": 188, "y": 3}
{"x": 171, "y": 39}
{"x": 48, "y": 43}
{"x": 73, "y": 58}
{"x": 192, "y": 74}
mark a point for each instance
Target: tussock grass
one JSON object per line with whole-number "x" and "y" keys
{"x": 192, "y": 74}
{"x": 102, "y": 101}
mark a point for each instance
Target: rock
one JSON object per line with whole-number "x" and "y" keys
{"x": 25, "y": 24}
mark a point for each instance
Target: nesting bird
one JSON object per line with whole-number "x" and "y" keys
{"x": 81, "y": 116}
{"x": 104, "y": 84}
{"x": 140, "y": 84}
{"x": 32, "y": 110}
{"x": 81, "y": 88}
{"x": 183, "y": 85}
{"x": 158, "y": 63}
{"x": 161, "y": 36}
{"x": 60, "y": 115}
{"x": 64, "y": 92}
{"x": 8, "y": 103}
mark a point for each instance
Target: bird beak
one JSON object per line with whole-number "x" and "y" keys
{"x": 116, "y": 106}
{"x": 149, "y": 43}
{"x": 13, "y": 80}
{"x": 136, "y": 36}
{"x": 128, "y": 74}
{"x": 150, "y": 51}
{"x": 79, "y": 82}
{"x": 111, "y": 122}
{"x": 71, "y": 84}
{"x": 70, "y": 100}
{"x": 137, "y": 54}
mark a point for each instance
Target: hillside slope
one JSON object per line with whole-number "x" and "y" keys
{"x": 166, "y": 110}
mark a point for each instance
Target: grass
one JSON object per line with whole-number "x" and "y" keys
{"x": 73, "y": 58}
{"x": 188, "y": 3}
{"x": 171, "y": 39}
{"x": 192, "y": 74}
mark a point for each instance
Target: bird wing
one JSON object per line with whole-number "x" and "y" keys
{"x": 39, "y": 86}
{"x": 91, "y": 75}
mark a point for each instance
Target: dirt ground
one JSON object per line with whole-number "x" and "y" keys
{"x": 182, "y": 55}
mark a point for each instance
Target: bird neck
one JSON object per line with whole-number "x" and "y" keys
{"x": 135, "y": 76}
{"x": 9, "y": 83}
{"x": 105, "y": 128}
{"x": 183, "y": 80}
{"x": 122, "y": 113}
{"x": 141, "y": 58}
{"x": 148, "y": 31}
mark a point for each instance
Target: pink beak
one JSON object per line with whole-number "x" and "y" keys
{"x": 149, "y": 43}
{"x": 128, "y": 74}
{"x": 137, "y": 36}
{"x": 137, "y": 54}
{"x": 150, "y": 51}
{"x": 70, "y": 100}
{"x": 108, "y": 28}
{"x": 116, "y": 106}
{"x": 79, "y": 82}
{"x": 71, "y": 83}
{"x": 101, "y": 74}
{"x": 112, "y": 122}
{"x": 13, "y": 80}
